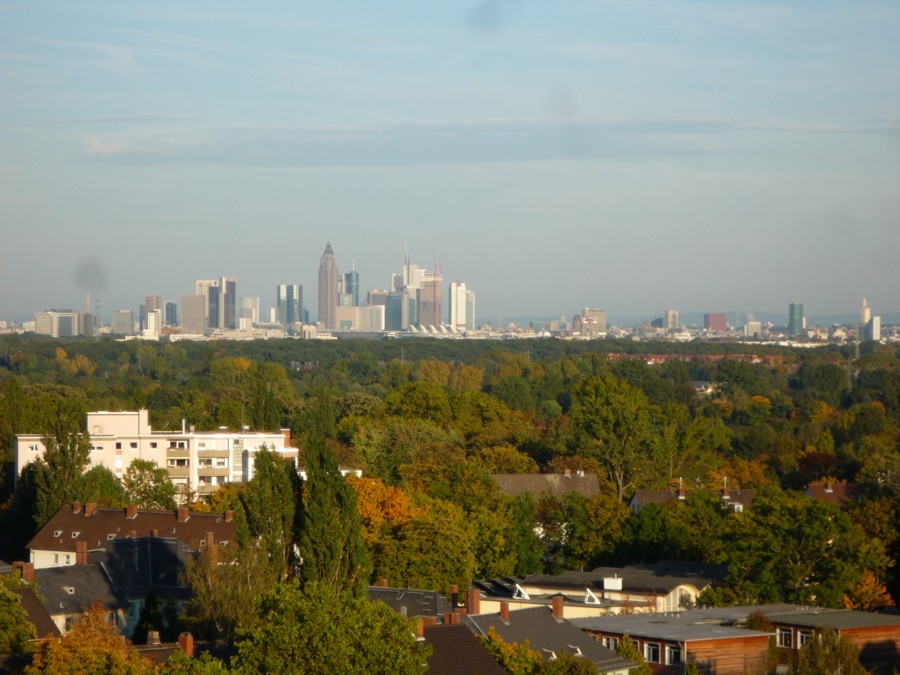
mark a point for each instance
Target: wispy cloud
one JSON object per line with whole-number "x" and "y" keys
{"x": 478, "y": 142}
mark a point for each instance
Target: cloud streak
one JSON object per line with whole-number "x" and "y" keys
{"x": 478, "y": 142}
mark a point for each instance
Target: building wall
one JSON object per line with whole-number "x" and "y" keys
{"x": 193, "y": 321}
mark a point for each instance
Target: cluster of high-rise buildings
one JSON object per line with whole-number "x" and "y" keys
{"x": 414, "y": 302}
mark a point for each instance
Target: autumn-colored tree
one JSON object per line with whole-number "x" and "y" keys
{"x": 869, "y": 595}
{"x": 383, "y": 509}
{"x": 93, "y": 646}
{"x": 515, "y": 658}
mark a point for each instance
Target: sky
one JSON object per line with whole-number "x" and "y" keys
{"x": 632, "y": 155}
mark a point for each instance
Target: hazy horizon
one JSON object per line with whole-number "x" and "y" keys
{"x": 631, "y": 156}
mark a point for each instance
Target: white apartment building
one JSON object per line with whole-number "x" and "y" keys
{"x": 202, "y": 460}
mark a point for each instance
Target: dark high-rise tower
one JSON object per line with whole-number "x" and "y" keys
{"x": 795, "y": 319}
{"x": 328, "y": 289}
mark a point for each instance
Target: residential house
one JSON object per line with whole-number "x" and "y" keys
{"x": 671, "y": 642}
{"x": 739, "y": 500}
{"x": 665, "y": 586}
{"x": 456, "y": 650}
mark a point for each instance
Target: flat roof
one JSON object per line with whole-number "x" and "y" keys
{"x": 669, "y": 627}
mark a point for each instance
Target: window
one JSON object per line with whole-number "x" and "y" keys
{"x": 201, "y": 444}
{"x": 133, "y": 445}
{"x": 803, "y": 637}
{"x": 56, "y": 558}
{"x": 651, "y": 652}
{"x": 673, "y": 656}
{"x": 611, "y": 643}
{"x": 98, "y": 448}
{"x": 75, "y": 534}
{"x": 118, "y": 445}
{"x": 68, "y": 559}
{"x": 110, "y": 537}
{"x": 131, "y": 612}
{"x": 69, "y": 623}
{"x": 112, "y": 618}
{"x": 784, "y": 637}
{"x": 178, "y": 463}
{"x": 57, "y": 533}
{"x": 33, "y": 447}
{"x": 152, "y": 444}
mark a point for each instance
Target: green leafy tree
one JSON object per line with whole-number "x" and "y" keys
{"x": 269, "y": 511}
{"x": 318, "y": 629}
{"x": 331, "y": 543}
{"x": 224, "y": 585}
{"x": 612, "y": 420}
{"x": 148, "y": 486}
{"x": 100, "y": 485}
{"x": 629, "y": 651}
{"x": 826, "y": 653}
{"x": 16, "y": 631}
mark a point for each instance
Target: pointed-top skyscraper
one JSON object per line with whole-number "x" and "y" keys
{"x": 329, "y": 290}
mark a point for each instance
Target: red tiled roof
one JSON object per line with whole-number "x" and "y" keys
{"x": 835, "y": 493}
{"x": 36, "y": 613}
{"x": 71, "y": 525}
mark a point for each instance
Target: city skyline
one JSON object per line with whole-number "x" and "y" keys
{"x": 630, "y": 156}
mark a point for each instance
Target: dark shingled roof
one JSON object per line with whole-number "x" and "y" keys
{"x": 837, "y": 619}
{"x": 68, "y": 590}
{"x": 836, "y": 493}
{"x": 536, "y": 484}
{"x": 457, "y": 650}
{"x": 69, "y": 526}
{"x": 546, "y": 634}
{"x": 36, "y": 614}
{"x": 416, "y": 602}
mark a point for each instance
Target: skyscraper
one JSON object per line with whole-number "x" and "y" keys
{"x": 192, "y": 319}
{"x": 351, "y": 287}
{"x": 220, "y": 301}
{"x": 122, "y": 322}
{"x": 170, "y": 313}
{"x": 328, "y": 289}
{"x": 593, "y": 322}
{"x": 462, "y": 307}
{"x": 670, "y": 319}
{"x": 431, "y": 293}
{"x": 795, "y": 319}
{"x": 715, "y": 321}
{"x": 289, "y": 302}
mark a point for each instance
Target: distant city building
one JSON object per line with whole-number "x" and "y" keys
{"x": 430, "y": 298}
{"x": 122, "y": 322}
{"x": 873, "y": 329}
{"x": 328, "y": 289}
{"x": 865, "y": 313}
{"x": 715, "y": 322}
{"x": 289, "y": 303}
{"x": 193, "y": 321}
{"x": 400, "y": 310}
{"x": 58, "y": 323}
{"x": 376, "y": 297}
{"x": 593, "y": 322}
{"x": 154, "y": 324}
{"x": 220, "y": 301}
{"x": 796, "y": 322}
{"x": 753, "y": 329}
{"x": 248, "y": 314}
{"x": 350, "y": 294}
{"x": 170, "y": 313}
{"x": 151, "y": 302}
{"x": 462, "y": 307}
{"x": 365, "y": 319}
{"x": 670, "y": 319}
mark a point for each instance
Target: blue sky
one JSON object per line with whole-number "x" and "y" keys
{"x": 633, "y": 155}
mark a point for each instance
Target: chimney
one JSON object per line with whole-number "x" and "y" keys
{"x": 213, "y": 552}
{"x": 153, "y": 637}
{"x": 559, "y": 604}
{"x": 131, "y": 511}
{"x": 89, "y": 508}
{"x": 186, "y": 642}
{"x": 568, "y": 473}
{"x": 229, "y": 516}
{"x": 473, "y": 601}
{"x": 383, "y": 583}
{"x": 429, "y": 620}
{"x": 209, "y": 540}
{"x": 682, "y": 493}
{"x": 504, "y": 611}
{"x": 448, "y": 618}
{"x": 76, "y": 506}
{"x": 81, "y": 554}
{"x": 25, "y": 570}
{"x": 132, "y": 534}
{"x": 287, "y": 437}
{"x": 154, "y": 532}
{"x": 454, "y": 595}
{"x": 420, "y": 628}
{"x": 454, "y": 619}
{"x": 183, "y": 515}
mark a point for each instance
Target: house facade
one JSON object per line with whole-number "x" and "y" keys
{"x": 199, "y": 460}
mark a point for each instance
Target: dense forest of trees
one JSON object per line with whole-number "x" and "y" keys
{"x": 430, "y": 420}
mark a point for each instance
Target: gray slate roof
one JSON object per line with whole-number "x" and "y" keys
{"x": 415, "y": 602}
{"x": 68, "y": 590}
{"x": 546, "y": 634}
{"x": 671, "y": 627}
